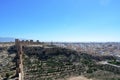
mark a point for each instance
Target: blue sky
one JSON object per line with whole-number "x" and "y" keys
{"x": 61, "y": 20}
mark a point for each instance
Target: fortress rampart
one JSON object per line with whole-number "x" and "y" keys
{"x": 19, "y": 65}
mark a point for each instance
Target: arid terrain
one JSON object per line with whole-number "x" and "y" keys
{"x": 78, "y": 78}
{"x": 46, "y": 61}
{"x": 7, "y": 64}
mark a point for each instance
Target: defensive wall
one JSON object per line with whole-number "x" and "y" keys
{"x": 19, "y": 62}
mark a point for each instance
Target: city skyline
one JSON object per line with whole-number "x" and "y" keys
{"x": 61, "y": 20}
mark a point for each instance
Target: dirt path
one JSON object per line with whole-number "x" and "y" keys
{"x": 78, "y": 78}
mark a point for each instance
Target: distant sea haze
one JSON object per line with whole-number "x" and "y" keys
{"x": 7, "y": 39}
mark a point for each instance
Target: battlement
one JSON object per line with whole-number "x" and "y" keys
{"x": 26, "y": 42}
{"x": 19, "y": 65}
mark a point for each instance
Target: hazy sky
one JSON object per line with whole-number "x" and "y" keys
{"x": 61, "y": 20}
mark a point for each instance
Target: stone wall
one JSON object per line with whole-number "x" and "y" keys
{"x": 19, "y": 65}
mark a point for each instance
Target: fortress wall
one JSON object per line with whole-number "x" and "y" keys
{"x": 19, "y": 59}
{"x": 29, "y": 42}
{"x": 19, "y": 45}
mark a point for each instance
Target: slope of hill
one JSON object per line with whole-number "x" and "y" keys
{"x": 56, "y": 63}
{"x": 48, "y": 62}
{"x": 7, "y": 65}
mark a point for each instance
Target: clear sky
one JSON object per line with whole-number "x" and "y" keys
{"x": 61, "y": 20}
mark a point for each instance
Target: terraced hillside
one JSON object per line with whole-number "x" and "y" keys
{"x": 54, "y": 63}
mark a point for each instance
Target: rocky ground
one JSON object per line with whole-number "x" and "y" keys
{"x": 7, "y": 64}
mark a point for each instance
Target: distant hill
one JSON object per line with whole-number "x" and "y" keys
{"x": 7, "y": 39}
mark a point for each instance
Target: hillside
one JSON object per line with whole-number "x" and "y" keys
{"x": 49, "y": 62}
{"x": 7, "y": 63}
{"x": 54, "y": 63}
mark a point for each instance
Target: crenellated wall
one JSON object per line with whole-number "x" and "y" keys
{"x": 19, "y": 65}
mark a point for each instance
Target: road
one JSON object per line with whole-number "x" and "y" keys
{"x": 105, "y": 62}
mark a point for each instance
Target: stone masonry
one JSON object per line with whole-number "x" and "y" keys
{"x": 19, "y": 64}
